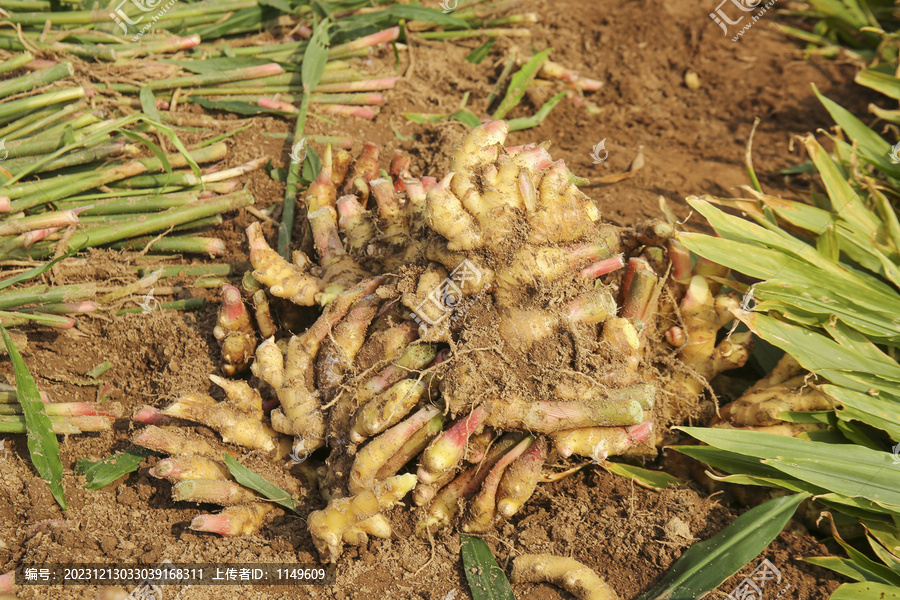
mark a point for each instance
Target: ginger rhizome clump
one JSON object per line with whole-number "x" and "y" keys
{"x": 466, "y": 329}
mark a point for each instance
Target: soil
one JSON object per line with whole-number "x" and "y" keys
{"x": 693, "y": 142}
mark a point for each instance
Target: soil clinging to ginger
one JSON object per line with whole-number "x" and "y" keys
{"x": 693, "y": 141}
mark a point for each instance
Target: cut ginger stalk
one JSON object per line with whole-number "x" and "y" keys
{"x": 327, "y": 526}
{"x": 567, "y": 573}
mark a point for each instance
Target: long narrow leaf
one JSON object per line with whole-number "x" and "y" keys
{"x": 705, "y": 565}
{"x": 257, "y": 483}
{"x": 846, "y": 469}
{"x": 33, "y": 272}
{"x": 520, "y": 82}
{"x": 872, "y": 146}
{"x": 487, "y": 581}
{"x": 866, "y": 591}
{"x": 480, "y": 53}
{"x": 315, "y": 57}
{"x": 644, "y": 477}
{"x": 43, "y": 446}
{"x": 844, "y": 566}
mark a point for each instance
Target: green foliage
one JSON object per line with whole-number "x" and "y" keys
{"x": 829, "y": 296}
{"x": 106, "y": 470}
{"x": 519, "y": 83}
{"x": 43, "y": 446}
{"x": 258, "y": 483}
{"x": 705, "y": 565}
{"x": 487, "y": 581}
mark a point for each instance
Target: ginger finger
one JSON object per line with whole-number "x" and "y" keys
{"x": 478, "y": 149}
{"x": 241, "y": 396}
{"x": 262, "y": 313}
{"x": 448, "y": 448}
{"x": 386, "y": 344}
{"x": 339, "y": 350}
{"x": 479, "y": 444}
{"x": 172, "y": 442}
{"x": 446, "y": 502}
{"x": 558, "y": 217}
{"x": 623, "y": 406}
{"x": 180, "y": 468}
{"x": 484, "y": 506}
{"x": 243, "y": 519}
{"x": 411, "y": 448}
{"x": 386, "y": 409}
{"x": 376, "y": 525}
{"x": 327, "y": 526}
{"x": 600, "y": 442}
{"x": 425, "y": 492}
{"x": 212, "y": 491}
{"x": 234, "y": 332}
{"x": 567, "y": 573}
{"x": 299, "y": 399}
{"x": 521, "y": 478}
{"x": 594, "y": 306}
{"x": 340, "y": 166}
{"x": 414, "y": 358}
{"x": 395, "y": 225}
{"x": 234, "y": 427}
{"x": 269, "y": 363}
{"x": 416, "y": 203}
{"x": 762, "y": 407}
{"x": 445, "y": 214}
{"x": 282, "y": 279}
{"x": 356, "y": 223}
{"x": 373, "y": 456}
{"x": 365, "y": 167}
{"x": 700, "y": 319}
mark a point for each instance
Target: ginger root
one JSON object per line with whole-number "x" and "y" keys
{"x": 567, "y": 573}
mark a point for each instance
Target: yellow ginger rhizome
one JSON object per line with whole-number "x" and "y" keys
{"x": 467, "y": 331}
